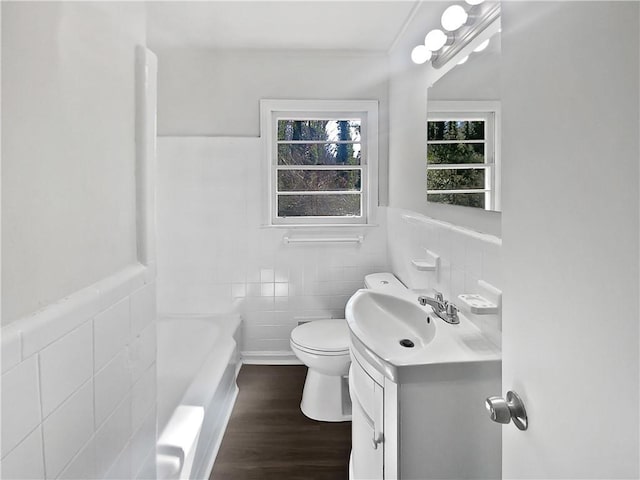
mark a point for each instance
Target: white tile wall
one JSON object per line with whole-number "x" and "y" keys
{"x": 26, "y": 460}
{"x": 143, "y": 307}
{"x": 20, "y": 403}
{"x": 83, "y": 465}
{"x": 65, "y": 365}
{"x": 71, "y": 407}
{"x": 112, "y": 383}
{"x": 465, "y": 257}
{"x": 112, "y": 435}
{"x": 215, "y": 257}
{"x": 111, "y": 327}
{"x": 68, "y": 429}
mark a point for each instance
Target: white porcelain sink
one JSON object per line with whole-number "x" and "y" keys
{"x": 393, "y": 331}
{"x": 391, "y": 323}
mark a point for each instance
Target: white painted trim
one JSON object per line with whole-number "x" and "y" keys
{"x": 370, "y": 168}
{"x": 416, "y": 218}
{"x": 282, "y": 357}
{"x": 146, "y": 120}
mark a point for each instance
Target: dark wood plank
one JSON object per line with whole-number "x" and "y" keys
{"x": 268, "y": 437}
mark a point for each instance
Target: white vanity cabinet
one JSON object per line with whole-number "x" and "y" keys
{"x": 367, "y": 420}
{"x": 429, "y": 422}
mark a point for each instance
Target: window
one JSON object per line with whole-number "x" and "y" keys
{"x": 322, "y": 159}
{"x": 462, "y": 160}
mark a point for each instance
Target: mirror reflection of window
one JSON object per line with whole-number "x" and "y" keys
{"x": 463, "y": 131}
{"x": 461, "y": 159}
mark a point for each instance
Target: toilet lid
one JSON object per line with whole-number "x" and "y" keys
{"x": 322, "y": 335}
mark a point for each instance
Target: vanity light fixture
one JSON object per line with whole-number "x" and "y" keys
{"x": 453, "y": 18}
{"x": 435, "y": 40}
{"x": 461, "y": 27}
{"x": 421, "y": 54}
{"x": 482, "y": 46}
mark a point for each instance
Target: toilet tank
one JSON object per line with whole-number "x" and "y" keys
{"x": 385, "y": 282}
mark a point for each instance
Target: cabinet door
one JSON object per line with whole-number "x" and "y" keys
{"x": 367, "y": 437}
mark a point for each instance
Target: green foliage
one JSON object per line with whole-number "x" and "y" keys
{"x": 452, "y": 152}
{"x": 293, "y": 149}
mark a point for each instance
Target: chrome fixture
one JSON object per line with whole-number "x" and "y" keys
{"x": 503, "y": 411}
{"x": 441, "y": 307}
{"x": 460, "y": 26}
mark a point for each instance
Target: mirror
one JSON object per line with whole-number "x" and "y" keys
{"x": 463, "y": 138}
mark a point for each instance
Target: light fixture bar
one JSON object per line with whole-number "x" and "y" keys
{"x": 485, "y": 20}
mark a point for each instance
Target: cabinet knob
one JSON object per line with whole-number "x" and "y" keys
{"x": 503, "y": 411}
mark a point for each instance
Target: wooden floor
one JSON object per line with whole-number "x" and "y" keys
{"x": 268, "y": 437}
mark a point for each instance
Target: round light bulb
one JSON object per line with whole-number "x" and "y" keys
{"x": 464, "y": 60}
{"x": 474, "y": 2}
{"x": 420, "y": 54}
{"x": 435, "y": 40}
{"x": 453, "y": 18}
{"x": 482, "y": 46}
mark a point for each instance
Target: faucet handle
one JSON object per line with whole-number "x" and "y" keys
{"x": 438, "y": 296}
{"x": 452, "y": 312}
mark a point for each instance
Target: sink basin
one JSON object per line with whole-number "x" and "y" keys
{"x": 390, "y": 325}
{"x": 395, "y": 334}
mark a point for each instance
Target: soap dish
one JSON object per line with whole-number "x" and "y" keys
{"x": 478, "y": 304}
{"x": 424, "y": 265}
{"x": 430, "y": 264}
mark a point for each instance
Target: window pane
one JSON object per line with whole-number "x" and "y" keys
{"x": 322, "y": 130}
{"x": 319, "y": 154}
{"x": 319, "y": 180}
{"x": 319, "y": 205}
{"x": 455, "y": 179}
{"x": 455, "y": 130}
{"x": 455, "y": 153}
{"x": 463, "y": 199}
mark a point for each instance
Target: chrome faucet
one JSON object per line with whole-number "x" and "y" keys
{"x": 441, "y": 307}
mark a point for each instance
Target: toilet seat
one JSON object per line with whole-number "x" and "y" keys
{"x": 320, "y": 352}
{"x": 325, "y": 337}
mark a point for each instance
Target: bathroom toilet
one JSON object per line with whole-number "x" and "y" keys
{"x": 323, "y": 346}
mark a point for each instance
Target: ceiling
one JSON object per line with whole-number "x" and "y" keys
{"x": 278, "y": 25}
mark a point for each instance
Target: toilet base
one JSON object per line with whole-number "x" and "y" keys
{"x": 326, "y": 397}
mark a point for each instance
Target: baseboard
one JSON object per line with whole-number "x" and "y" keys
{"x": 283, "y": 357}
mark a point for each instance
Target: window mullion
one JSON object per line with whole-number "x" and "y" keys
{"x": 318, "y": 167}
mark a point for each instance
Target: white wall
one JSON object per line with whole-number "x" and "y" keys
{"x": 477, "y": 79}
{"x": 408, "y": 91}
{"x": 214, "y": 256}
{"x": 78, "y": 335}
{"x": 466, "y": 257}
{"x": 216, "y": 92}
{"x": 67, "y": 148}
{"x": 570, "y": 235}
{"x": 210, "y": 92}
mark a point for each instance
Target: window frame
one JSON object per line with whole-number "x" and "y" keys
{"x": 489, "y": 112}
{"x": 366, "y": 110}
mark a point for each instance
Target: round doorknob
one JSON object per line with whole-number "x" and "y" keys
{"x": 503, "y": 411}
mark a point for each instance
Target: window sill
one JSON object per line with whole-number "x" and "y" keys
{"x": 323, "y": 226}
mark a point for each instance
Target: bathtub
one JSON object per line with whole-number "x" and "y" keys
{"x": 198, "y": 362}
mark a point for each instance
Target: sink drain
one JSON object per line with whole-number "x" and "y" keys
{"x": 405, "y": 342}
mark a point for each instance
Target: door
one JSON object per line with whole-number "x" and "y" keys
{"x": 570, "y": 237}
